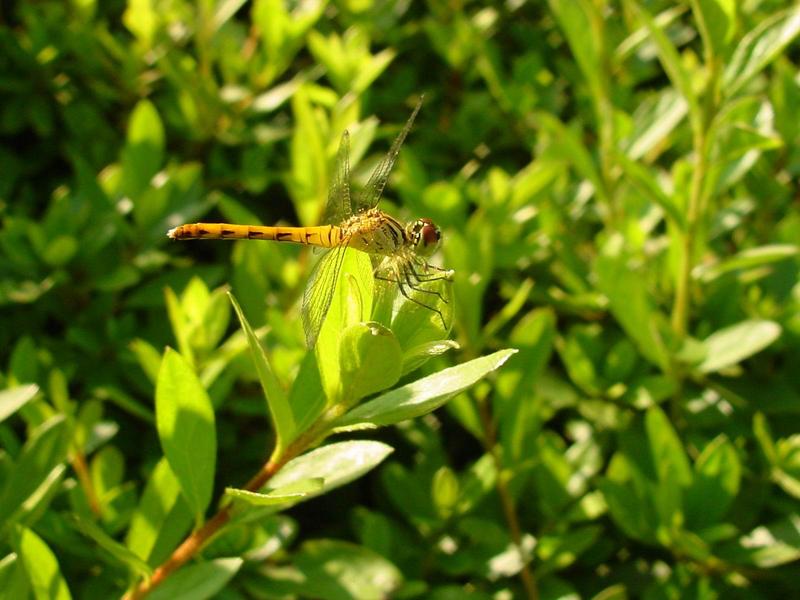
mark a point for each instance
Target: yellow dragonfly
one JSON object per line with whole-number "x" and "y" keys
{"x": 399, "y": 252}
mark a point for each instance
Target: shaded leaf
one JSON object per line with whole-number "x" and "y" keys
{"x": 424, "y": 395}
{"x": 185, "y": 422}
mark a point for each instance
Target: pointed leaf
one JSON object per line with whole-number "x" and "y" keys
{"x": 759, "y": 48}
{"x": 288, "y": 494}
{"x": 12, "y": 399}
{"x": 197, "y": 581}
{"x": 45, "y": 449}
{"x": 41, "y": 566}
{"x": 731, "y": 345}
{"x": 279, "y": 409}
{"x": 336, "y": 464}
{"x": 370, "y": 360}
{"x": 669, "y": 457}
{"x": 424, "y": 395}
{"x": 185, "y": 422}
{"x": 717, "y": 474}
{"x": 161, "y": 519}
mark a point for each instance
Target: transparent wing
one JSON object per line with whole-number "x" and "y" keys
{"x": 371, "y": 194}
{"x": 319, "y": 292}
{"x": 339, "y": 207}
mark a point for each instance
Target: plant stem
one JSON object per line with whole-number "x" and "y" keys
{"x": 195, "y": 542}
{"x": 506, "y": 500}
{"x": 81, "y": 469}
{"x": 192, "y": 544}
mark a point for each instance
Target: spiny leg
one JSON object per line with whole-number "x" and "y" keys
{"x": 419, "y": 289}
{"x": 403, "y": 291}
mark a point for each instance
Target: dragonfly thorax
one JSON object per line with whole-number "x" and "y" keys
{"x": 424, "y": 236}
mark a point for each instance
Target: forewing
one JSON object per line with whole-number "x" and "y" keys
{"x": 339, "y": 207}
{"x": 371, "y": 194}
{"x": 319, "y": 292}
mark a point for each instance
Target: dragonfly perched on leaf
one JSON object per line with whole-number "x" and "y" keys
{"x": 399, "y": 252}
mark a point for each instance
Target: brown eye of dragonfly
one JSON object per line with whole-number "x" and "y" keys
{"x": 426, "y": 236}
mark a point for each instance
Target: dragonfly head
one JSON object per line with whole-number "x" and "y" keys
{"x": 424, "y": 236}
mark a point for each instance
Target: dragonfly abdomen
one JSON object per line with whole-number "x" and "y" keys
{"x": 325, "y": 236}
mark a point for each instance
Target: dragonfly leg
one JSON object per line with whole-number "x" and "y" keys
{"x": 423, "y": 276}
{"x": 415, "y": 301}
{"x": 402, "y": 286}
{"x": 416, "y": 288}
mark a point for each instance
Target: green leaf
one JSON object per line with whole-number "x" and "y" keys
{"x": 570, "y": 148}
{"x": 370, "y": 360}
{"x": 559, "y": 551}
{"x": 444, "y": 490}
{"x": 653, "y": 122}
{"x": 575, "y": 17}
{"x": 717, "y": 473}
{"x": 197, "y": 581}
{"x": 12, "y": 399}
{"x": 288, "y": 494}
{"x": 759, "y": 48}
{"x": 751, "y": 258}
{"x": 13, "y": 579}
{"x": 632, "y": 306}
{"x": 185, "y": 422}
{"x": 786, "y": 473}
{"x": 335, "y": 464}
{"x": 338, "y": 570}
{"x": 417, "y": 356}
{"x": 141, "y": 19}
{"x": 630, "y": 510}
{"x": 41, "y": 566}
{"x": 424, "y": 395}
{"x": 669, "y": 457}
{"x": 716, "y": 20}
{"x": 143, "y": 154}
{"x": 767, "y": 546}
{"x": 122, "y": 554}
{"x": 351, "y": 304}
{"x": 309, "y": 176}
{"x": 670, "y": 60}
{"x": 280, "y": 410}
{"x": 731, "y": 345}
{"x": 45, "y": 449}
{"x": 161, "y": 519}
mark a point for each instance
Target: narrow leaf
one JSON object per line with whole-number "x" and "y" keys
{"x": 12, "y": 399}
{"x": 185, "y": 422}
{"x": 335, "y": 464}
{"x": 162, "y": 517}
{"x": 670, "y": 59}
{"x": 669, "y": 457}
{"x": 370, "y": 360}
{"x": 424, "y": 395}
{"x": 759, "y": 48}
{"x": 197, "y": 581}
{"x": 279, "y": 409}
{"x": 121, "y": 553}
{"x": 284, "y": 495}
{"x": 716, "y": 20}
{"x": 747, "y": 259}
{"x": 41, "y": 566}
{"x": 715, "y": 486}
{"x": 731, "y": 345}
{"x": 44, "y": 450}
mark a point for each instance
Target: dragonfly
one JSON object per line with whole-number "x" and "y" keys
{"x": 399, "y": 252}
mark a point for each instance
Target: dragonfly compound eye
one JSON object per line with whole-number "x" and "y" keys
{"x": 428, "y": 236}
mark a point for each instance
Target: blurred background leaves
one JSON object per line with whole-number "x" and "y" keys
{"x": 615, "y": 182}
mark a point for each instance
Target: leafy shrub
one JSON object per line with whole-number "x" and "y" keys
{"x": 615, "y": 184}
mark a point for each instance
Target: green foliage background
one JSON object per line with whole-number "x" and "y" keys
{"x": 616, "y": 184}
